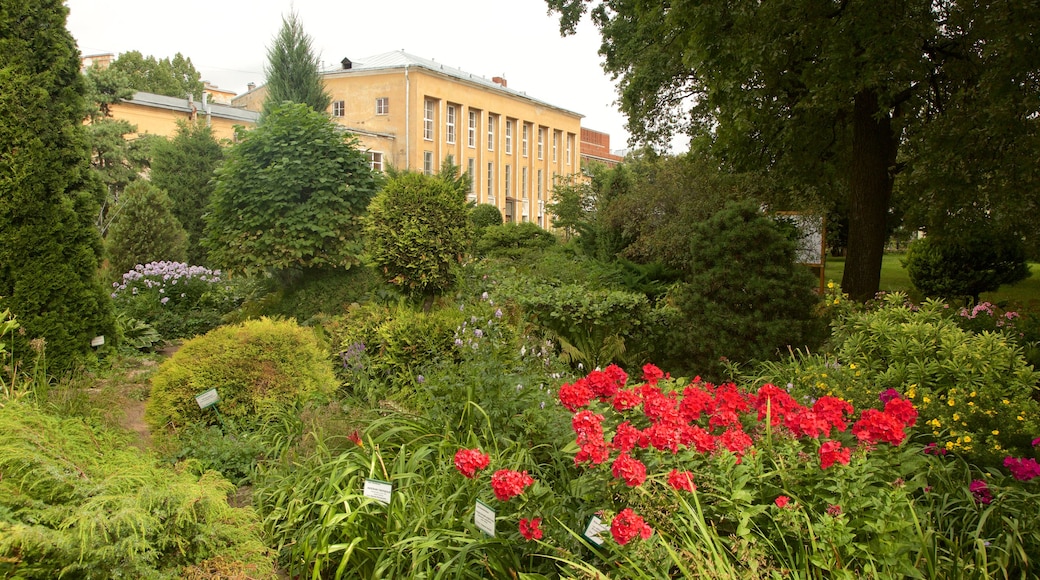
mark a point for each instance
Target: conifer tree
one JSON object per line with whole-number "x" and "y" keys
{"x": 145, "y": 230}
{"x": 293, "y": 71}
{"x": 49, "y": 248}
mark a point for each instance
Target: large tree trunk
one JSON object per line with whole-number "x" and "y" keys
{"x": 870, "y": 192}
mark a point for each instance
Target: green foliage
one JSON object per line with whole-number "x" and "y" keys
{"x": 573, "y": 206}
{"x": 318, "y": 293}
{"x": 484, "y": 215}
{"x": 81, "y": 502}
{"x": 175, "y": 299}
{"x": 289, "y": 196}
{"x": 293, "y": 72}
{"x": 49, "y": 248}
{"x": 224, "y": 449}
{"x": 746, "y": 298}
{"x": 513, "y": 239}
{"x": 136, "y": 334}
{"x": 417, "y": 233}
{"x": 965, "y": 264}
{"x": 257, "y": 367}
{"x": 145, "y": 229}
{"x": 184, "y": 168}
{"x": 173, "y": 78}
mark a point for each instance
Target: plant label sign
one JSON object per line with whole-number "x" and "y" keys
{"x": 97, "y": 341}
{"x": 378, "y": 490}
{"x": 207, "y": 399}
{"x": 484, "y": 518}
{"x": 594, "y": 529}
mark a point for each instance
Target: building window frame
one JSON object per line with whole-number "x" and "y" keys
{"x": 541, "y": 143}
{"x": 428, "y": 162}
{"x": 471, "y": 169}
{"x": 540, "y": 183}
{"x": 339, "y": 108}
{"x": 526, "y": 133}
{"x": 472, "y": 129}
{"x": 509, "y": 137}
{"x": 375, "y": 160}
{"x": 570, "y": 149}
{"x": 490, "y": 132}
{"x": 383, "y": 105}
{"x": 555, "y": 145}
{"x": 524, "y": 186}
{"x": 490, "y": 197}
{"x": 428, "y": 119}
{"x": 509, "y": 179}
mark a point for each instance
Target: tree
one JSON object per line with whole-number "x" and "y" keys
{"x": 184, "y": 168}
{"x": 293, "y": 71}
{"x": 418, "y": 231}
{"x": 829, "y": 96}
{"x": 49, "y": 248}
{"x": 173, "y": 78}
{"x": 289, "y": 196}
{"x": 145, "y": 230}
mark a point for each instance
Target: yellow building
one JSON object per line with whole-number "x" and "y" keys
{"x": 158, "y": 114}
{"x": 413, "y": 113}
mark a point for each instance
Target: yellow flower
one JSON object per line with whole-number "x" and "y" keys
{"x": 1020, "y": 418}
{"x": 927, "y": 399}
{"x": 973, "y": 393}
{"x": 997, "y": 447}
{"x": 836, "y": 301}
{"x": 935, "y": 423}
{"x": 852, "y": 366}
{"x": 956, "y": 416}
{"x": 830, "y": 285}
{"x": 951, "y": 402}
{"x": 971, "y": 403}
{"x": 949, "y": 445}
{"x": 996, "y": 432}
{"x": 824, "y": 375}
{"x": 1006, "y": 402}
{"x": 859, "y": 373}
{"x": 967, "y": 439}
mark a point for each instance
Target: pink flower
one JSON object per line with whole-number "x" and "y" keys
{"x": 530, "y": 529}
{"x": 508, "y": 484}
{"x": 470, "y": 461}
{"x": 980, "y": 491}
{"x": 1021, "y": 468}
{"x": 681, "y": 480}
{"x": 627, "y": 525}
{"x": 834, "y": 510}
{"x": 781, "y": 501}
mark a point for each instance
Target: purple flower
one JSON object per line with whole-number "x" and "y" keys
{"x": 458, "y": 342}
{"x": 478, "y": 332}
{"x": 1021, "y": 468}
{"x": 498, "y": 313}
{"x": 165, "y": 299}
{"x": 980, "y": 490}
{"x": 420, "y": 379}
{"x": 888, "y": 395}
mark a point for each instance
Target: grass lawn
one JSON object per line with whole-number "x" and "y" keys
{"x": 1024, "y": 295}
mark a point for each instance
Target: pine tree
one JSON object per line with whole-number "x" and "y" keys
{"x": 145, "y": 230}
{"x": 293, "y": 71}
{"x": 49, "y": 248}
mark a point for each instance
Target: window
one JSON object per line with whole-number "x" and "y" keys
{"x": 570, "y": 148}
{"x": 451, "y": 124}
{"x": 541, "y": 142}
{"x": 338, "y": 108}
{"x": 427, "y": 161}
{"x": 375, "y": 160}
{"x": 523, "y": 182}
{"x": 491, "y": 183}
{"x": 539, "y": 184}
{"x": 383, "y": 106}
{"x": 428, "y": 120}
{"x": 509, "y": 137}
{"x": 472, "y": 128}
{"x": 509, "y": 179}
{"x": 491, "y": 133}
{"x": 527, "y": 131}
{"x": 556, "y": 144}
{"x": 471, "y": 170}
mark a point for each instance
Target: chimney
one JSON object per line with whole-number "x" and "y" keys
{"x": 250, "y": 86}
{"x": 346, "y": 63}
{"x": 499, "y": 81}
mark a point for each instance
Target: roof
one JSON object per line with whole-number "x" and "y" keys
{"x": 401, "y": 59}
{"x": 184, "y": 105}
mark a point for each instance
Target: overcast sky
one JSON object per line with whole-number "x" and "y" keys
{"x": 227, "y": 41}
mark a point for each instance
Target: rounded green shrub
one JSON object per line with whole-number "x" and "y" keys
{"x": 144, "y": 229}
{"x": 513, "y": 239}
{"x": 256, "y": 367}
{"x": 485, "y": 215}
{"x": 965, "y": 264}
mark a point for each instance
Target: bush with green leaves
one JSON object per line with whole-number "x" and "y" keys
{"x": 417, "y": 233}
{"x": 175, "y": 299}
{"x": 256, "y": 367}
{"x": 965, "y": 263}
{"x": 485, "y": 215}
{"x": 289, "y": 196}
{"x": 513, "y": 239}
{"x": 81, "y": 502}
{"x": 144, "y": 229}
{"x": 744, "y": 298}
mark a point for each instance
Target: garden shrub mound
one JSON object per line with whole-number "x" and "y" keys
{"x": 81, "y": 502}
{"x": 256, "y": 367}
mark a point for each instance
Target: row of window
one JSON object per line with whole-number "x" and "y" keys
{"x": 339, "y": 108}
{"x": 451, "y": 124}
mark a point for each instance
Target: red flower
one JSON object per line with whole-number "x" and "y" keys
{"x": 588, "y": 426}
{"x": 616, "y": 374}
{"x": 681, "y": 480}
{"x": 627, "y": 525}
{"x": 735, "y": 440}
{"x": 703, "y": 441}
{"x": 627, "y": 399}
{"x": 630, "y": 470}
{"x": 651, "y": 374}
{"x": 594, "y": 452}
{"x": 874, "y": 426}
{"x": 729, "y": 402}
{"x": 980, "y": 490}
{"x": 831, "y": 452}
{"x": 695, "y": 401}
{"x": 355, "y": 438}
{"x": 781, "y": 501}
{"x": 832, "y": 411}
{"x": 834, "y": 510}
{"x": 470, "y": 461}
{"x": 575, "y": 395}
{"x": 666, "y": 435}
{"x": 774, "y": 401}
{"x": 903, "y": 410}
{"x": 658, "y": 406}
{"x": 508, "y": 484}
{"x": 602, "y": 385}
{"x": 530, "y": 529}
{"x": 626, "y": 437}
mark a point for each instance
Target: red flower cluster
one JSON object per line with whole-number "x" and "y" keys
{"x": 781, "y": 501}
{"x": 588, "y": 427}
{"x": 470, "y": 461}
{"x": 980, "y": 491}
{"x": 627, "y": 525}
{"x": 681, "y": 480}
{"x": 603, "y": 385}
{"x": 530, "y": 529}
{"x": 508, "y": 484}
{"x": 631, "y": 471}
{"x": 831, "y": 452}
{"x": 1021, "y": 468}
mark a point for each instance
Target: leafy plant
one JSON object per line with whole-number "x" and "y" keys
{"x": 484, "y": 215}
{"x": 512, "y": 239}
{"x": 144, "y": 229}
{"x": 965, "y": 263}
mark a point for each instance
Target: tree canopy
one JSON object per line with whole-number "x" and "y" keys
{"x": 293, "y": 70}
{"x": 173, "y": 78}
{"x": 838, "y": 97}
{"x": 289, "y": 196}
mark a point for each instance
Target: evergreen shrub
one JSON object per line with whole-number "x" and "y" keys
{"x": 965, "y": 264}
{"x": 513, "y": 239}
{"x": 256, "y": 367}
{"x": 144, "y": 229}
{"x": 485, "y": 215}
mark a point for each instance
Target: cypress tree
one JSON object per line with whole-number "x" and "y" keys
{"x": 49, "y": 248}
{"x": 293, "y": 71}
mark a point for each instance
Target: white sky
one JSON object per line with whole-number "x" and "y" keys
{"x": 227, "y": 41}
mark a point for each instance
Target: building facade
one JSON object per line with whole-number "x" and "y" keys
{"x": 158, "y": 115}
{"x": 415, "y": 113}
